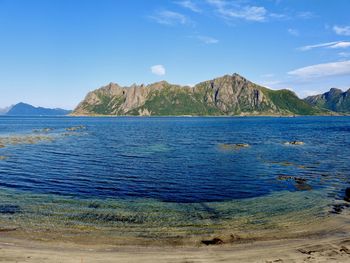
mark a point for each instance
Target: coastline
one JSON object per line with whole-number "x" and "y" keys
{"x": 207, "y": 116}
{"x": 321, "y": 246}
{"x": 48, "y": 238}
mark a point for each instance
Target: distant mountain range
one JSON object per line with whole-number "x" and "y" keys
{"x": 23, "y": 109}
{"x": 334, "y": 100}
{"x": 227, "y": 95}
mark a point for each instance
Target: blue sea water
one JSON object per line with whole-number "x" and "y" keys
{"x": 174, "y": 163}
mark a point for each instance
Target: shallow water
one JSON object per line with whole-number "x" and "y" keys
{"x": 170, "y": 177}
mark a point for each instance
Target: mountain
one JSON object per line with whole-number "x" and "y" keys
{"x": 23, "y": 109}
{"x": 227, "y": 95}
{"x": 4, "y": 111}
{"x": 334, "y": 100}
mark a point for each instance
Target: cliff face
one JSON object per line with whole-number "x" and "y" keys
{"x": 227, "y": 95}
{"x": 334, "y": 100}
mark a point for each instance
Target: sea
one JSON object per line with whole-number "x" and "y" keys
{"x": 130, "y": 180}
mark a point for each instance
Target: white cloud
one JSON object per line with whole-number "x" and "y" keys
{"x": 342, "y": 30}
{"x": 167, "y": 17}
{"x": 305, "y": 15}
{"x": 293, "y": 32}
{"x": 322, "y": 70}
{"x": 340, "y": 45}
{"x": 190, "y": 5}
{"x": 233, "y": 10}
{"x": 158, "y": 70}
{"x": 279, "y": 16}
{"x": 335, "y": 44}
{"x": 207, "y": 40}
{"x": 344, "y": 54}
{"x": 252, "y": 13}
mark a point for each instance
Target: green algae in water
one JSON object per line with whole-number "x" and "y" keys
{"x": 152, "y": 219}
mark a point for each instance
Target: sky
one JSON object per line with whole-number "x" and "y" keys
{"x": 52, "y": 52}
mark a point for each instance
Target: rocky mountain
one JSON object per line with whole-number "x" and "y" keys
{"x": 227, "y": 95}
{"x": 23, "y": 109}
{"x": 334, "y": 100}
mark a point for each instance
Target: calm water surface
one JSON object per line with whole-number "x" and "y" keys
{"x": 173, "y": 173}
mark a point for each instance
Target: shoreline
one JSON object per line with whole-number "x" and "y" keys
{"x": 326, "y": 246}
{"x": 206, "y": 116}
{"x": 175, "y": 116}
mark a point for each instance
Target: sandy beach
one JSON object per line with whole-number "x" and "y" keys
{"x": 329, "y": 249}
{"x": 327, "y": 243}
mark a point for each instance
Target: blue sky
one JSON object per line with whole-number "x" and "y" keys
{"x": 52, "y": 52}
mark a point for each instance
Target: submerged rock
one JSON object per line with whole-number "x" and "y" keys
{"x": 233, "y": 146}
{"x": 294, "y": 143}
{"x": 2, "y": 146}
{"x": 214, "y": 241}
{"x": 109, "y": 218}
{"x": 76, "y": 128}
{"x": 44, "y": 130}
{"x": 25, "y": 139}
{"x": 347, "y": 194}
{"x": 300, "y": 183}
{"x": 338, "y": 208}
{"x": 286, "y": 163}
{"x": 9, "y": 209}
{"x": 303, "y": 187}
{"x": 3, "y": 157}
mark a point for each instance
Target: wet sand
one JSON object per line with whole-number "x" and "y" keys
{"x": 327, "y": 243}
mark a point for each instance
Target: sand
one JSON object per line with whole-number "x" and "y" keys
{"x": 324, "y": 246}
{"x": 328, "y": 242}
{"x": 294, "y": 250}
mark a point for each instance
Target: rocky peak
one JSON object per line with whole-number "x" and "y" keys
{"x": 111, "y": 89}
{"x": 238, "y": 77}
{"x": 335, "y": 91}
{"x": 334, "y": 99}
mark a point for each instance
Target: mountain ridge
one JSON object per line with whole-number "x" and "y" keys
{"x": 4, "y": 111}
{"x": 223, "y": 96}
{"x": 24, "y": 109}
{"x": 335, "y": 100}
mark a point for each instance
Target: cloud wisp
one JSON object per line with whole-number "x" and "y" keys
{"x": 158, "y": 70}
{"x": 342, "y": 30}
{"x": 293, "y": 32}
{"x": 170, "y": 18}
{"x": 334, "y": 45}
{"x": 344, "y": 54}
{"x": 322, "y": 70}
{"x": 207, "y": 40}
{"x": 189, "y": 5}
{"x": 305, "y": 15}
{"x": 233, "y": 10}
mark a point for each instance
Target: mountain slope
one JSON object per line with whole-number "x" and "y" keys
{"x": 23, "y": 109}
{"x": 4, "y": 111}
{"x": 227, "y": 95}
{"x": 334, "y": 100}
